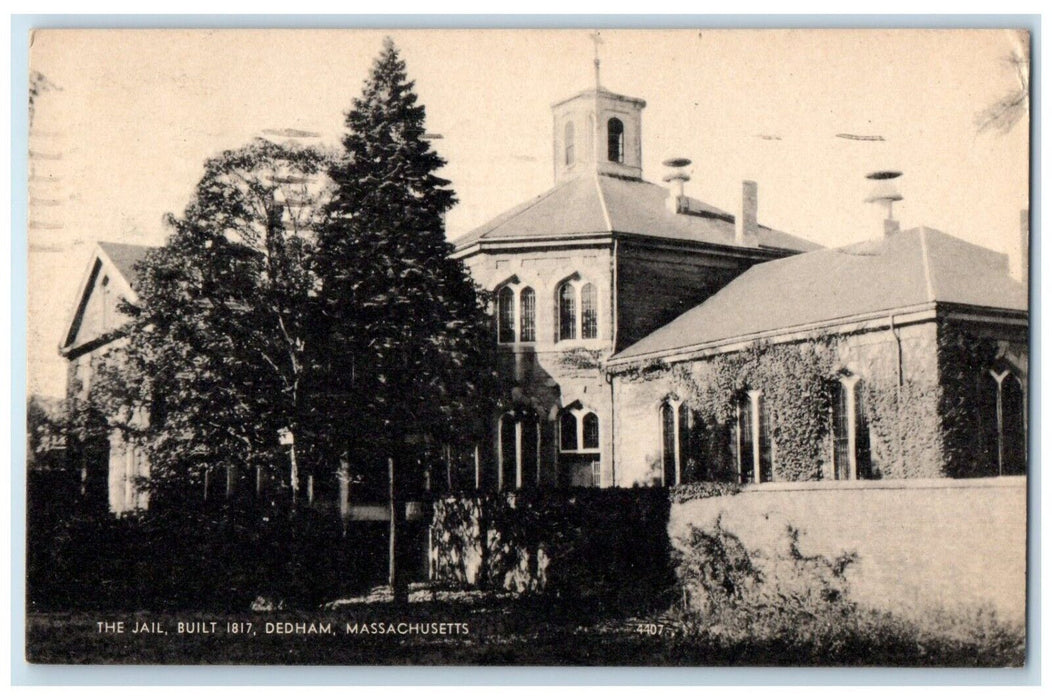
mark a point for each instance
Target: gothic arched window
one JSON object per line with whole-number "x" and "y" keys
{"x": 755, "y": 449}
{"x": 527, "y": 315}
{"x": 568, "y": 432}
{"x": 851, "y": 455}
{"x": 1013, "y": 425}
{"x": 567, "y": 312}
{"x": 590, "y": 432}
{"x": 615, "y": 141}
{"x": 589, "y": 312}
{"x": 568, "y": 143}
{"x": 506, "y": 315}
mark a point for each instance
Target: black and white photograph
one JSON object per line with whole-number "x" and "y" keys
{"x": 624, "y": 347}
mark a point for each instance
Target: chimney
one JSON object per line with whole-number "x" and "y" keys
{"x": 677, "y": 201}
{"x": 745, "y": 229}
{"x": 1019, "y": 259}
{"x": 886, "y": 194}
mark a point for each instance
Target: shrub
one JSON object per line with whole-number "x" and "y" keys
{"x": 608, "y": 548}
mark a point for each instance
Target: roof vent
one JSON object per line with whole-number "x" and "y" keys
{"x": 885, "y": 193}
{"x": 677, "y": 201}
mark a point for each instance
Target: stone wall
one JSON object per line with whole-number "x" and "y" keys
{"x": 919, "y": 544}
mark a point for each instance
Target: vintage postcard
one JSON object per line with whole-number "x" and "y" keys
{"x": 617, "y": 347}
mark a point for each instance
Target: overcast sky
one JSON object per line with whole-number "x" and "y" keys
{"x": 129, "y": 116}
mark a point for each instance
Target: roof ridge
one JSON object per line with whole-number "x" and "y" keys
{"x": 926, "y": 263}
{"x": 507, "y": 215}
{"x": 603, "y": 205}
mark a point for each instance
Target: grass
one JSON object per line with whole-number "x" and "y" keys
{"x": 505, "y": 630}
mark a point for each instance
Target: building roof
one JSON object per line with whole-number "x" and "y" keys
{"x": 907, "y": 269}
{"x": 124, "y": 256}
{"x": 117, "y": 260}
{"x": 595, "y": 204}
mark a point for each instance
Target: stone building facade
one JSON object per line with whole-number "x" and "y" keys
{"x": 925, "y": 342}
{"x": 584, "y": 270}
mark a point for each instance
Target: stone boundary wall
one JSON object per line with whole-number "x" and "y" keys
{"x": 951, "y": 543}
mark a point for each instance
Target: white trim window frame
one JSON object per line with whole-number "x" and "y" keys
{"x": 578, "y": 286}
{"x": 579, "y": 415}
{"x": 521, "y": 322}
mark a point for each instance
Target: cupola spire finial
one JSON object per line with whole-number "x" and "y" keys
{"x": 597, "y": 40}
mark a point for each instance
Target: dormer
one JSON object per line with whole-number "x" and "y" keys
{"x": 597, "y": 131}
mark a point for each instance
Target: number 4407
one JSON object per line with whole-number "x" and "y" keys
{"x": 653, "y": 629}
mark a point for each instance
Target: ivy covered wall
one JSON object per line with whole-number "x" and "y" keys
{"x": 920, "y": 387}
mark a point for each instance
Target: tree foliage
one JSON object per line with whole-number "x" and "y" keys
{"x": 221, "y": 348}
{"x": 407, "y": 316}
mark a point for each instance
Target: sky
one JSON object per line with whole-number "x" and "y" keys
{"x": 127, "y": 118}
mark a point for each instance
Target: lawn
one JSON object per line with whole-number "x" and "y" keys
{"x": 488, "y": 630}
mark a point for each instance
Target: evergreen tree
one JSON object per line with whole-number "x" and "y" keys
{"x": 419, "y": 365}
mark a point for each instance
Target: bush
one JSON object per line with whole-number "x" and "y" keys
{"x": 605, "y": 548}
{"x": 212, "y": 557}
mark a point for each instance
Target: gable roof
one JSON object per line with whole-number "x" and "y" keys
{"x": 912, "y": 268}
{"x": 597, "y": 204}
{"x": 116, "y": 260}
{"x": 124, "y": 256}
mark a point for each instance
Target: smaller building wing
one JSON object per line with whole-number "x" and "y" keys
{"x": 905, "y": 270}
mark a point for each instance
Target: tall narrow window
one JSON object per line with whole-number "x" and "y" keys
{"x": 567, "y": 312}
{"x": 746, "y": 452}
{"x": 863, "y": 458}
{"x": 589, "y": 312}
{"x": 527, "y": 316}
{"x": 685, "y": 448}
{"x": 568, "y": 142}
{"x": 508, "y": 452}
{"x": 531, "y": 438}
{"x": 615, "y": 141}
{"x": 590, "y": 431}
{"x": 766, "y": 443}
{"x": 506, "y": 316}
{"x": 841, "y": 433}
{"x": 568, "y": 432}
{"x": 1013, "y": 428}
{"x": 668, "y": 444}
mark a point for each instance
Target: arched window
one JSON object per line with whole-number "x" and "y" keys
{"x": 506, "y": 315}
{"x": 567, "y": 312}
{"x": 1013, "y": 426}
{"x": 755, "y": 448}
{"x": 527, "y": 316}
{"x": 590, "y": 431}
{"x": 851, "y": 456}
{"x": 568, "y": 143}
{"x": 589, "y": 312}
{"x": 519, "y": 450}
{"x": 1005, "y": 422}
{"x": 615, "y": 141}
{"x": 568, "y": 432}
